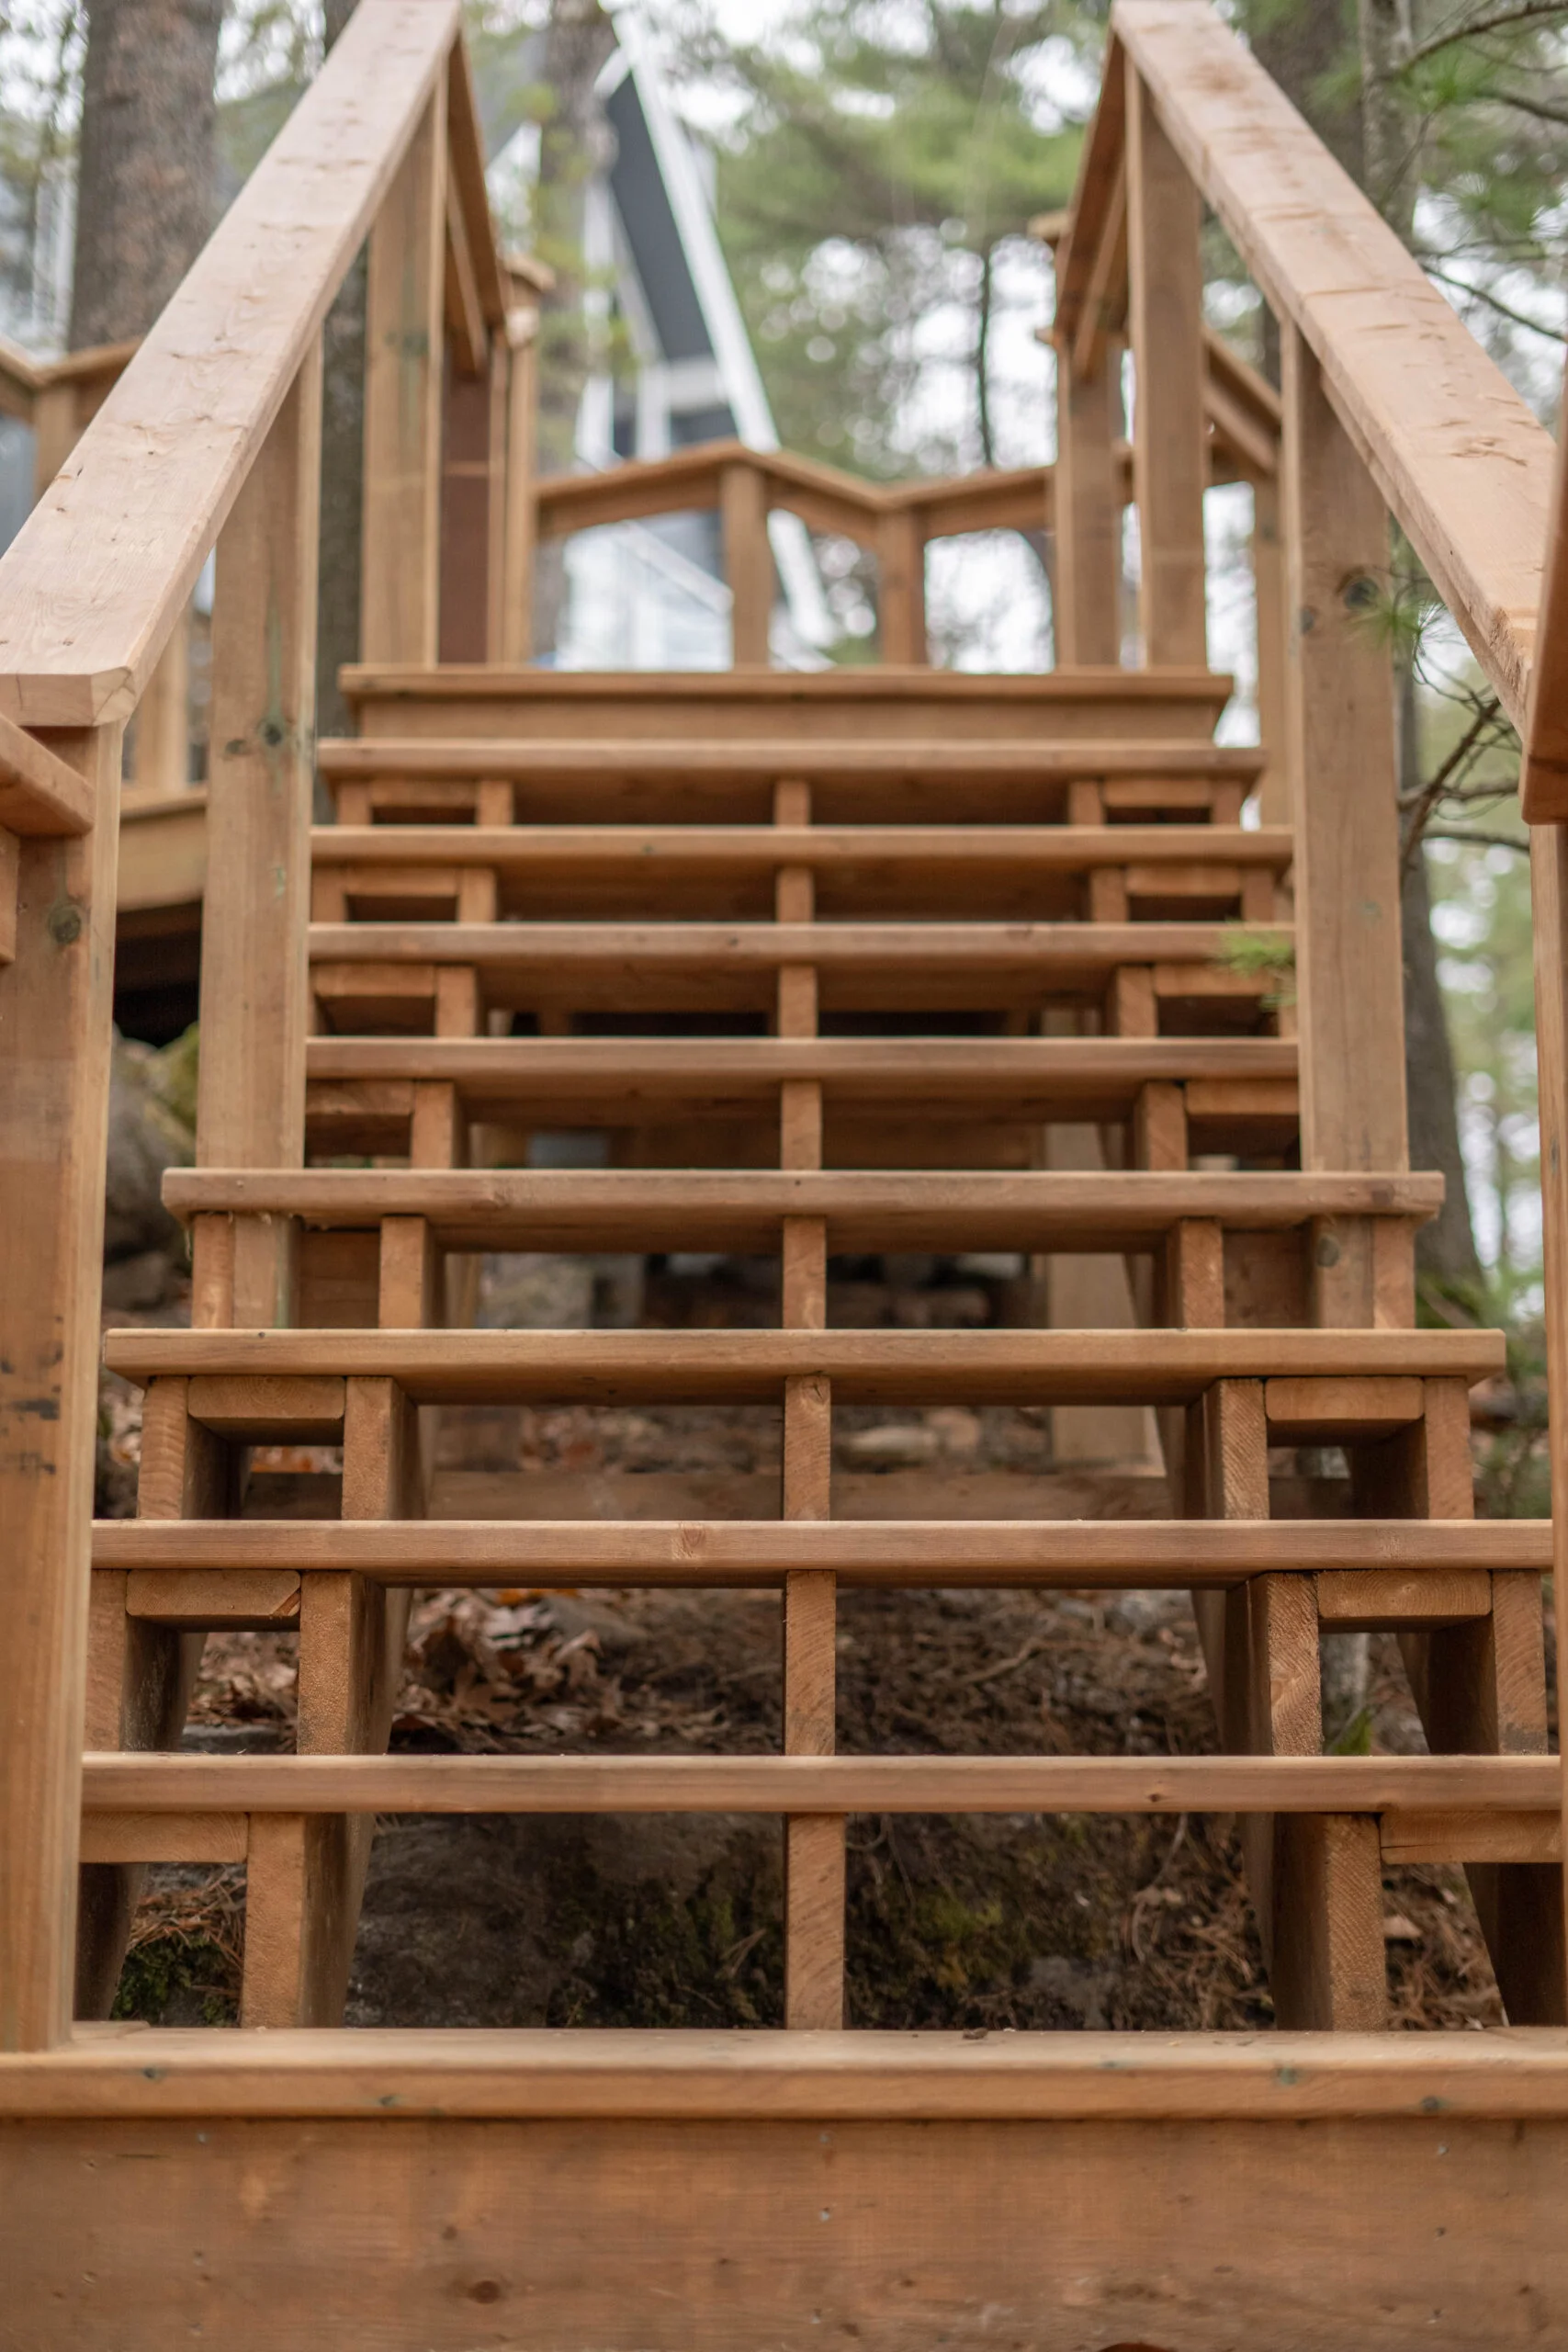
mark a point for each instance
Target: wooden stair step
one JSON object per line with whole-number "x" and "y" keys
{"x": 1059, "y": 951}
{"x": 1064, "y": 1078}
{"x": 898, "y": 1556}
{"x": 666, "y": 1209}
{"x": 697, "y": 773}
{"x": 884, "y": 697}
{"x": 657, "y": 854}
{"x": 886, "y": 1367}
{"x": 342, "y": 759}
{"x": 369, "y": 973}
{"x": 1435, "y": 1793}
{"x": 132, "y": 2072}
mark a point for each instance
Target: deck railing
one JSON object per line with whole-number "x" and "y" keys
{"x": 1388, "y": 406}
{"x": 211, "y": 439}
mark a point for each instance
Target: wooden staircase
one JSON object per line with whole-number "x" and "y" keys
{"x": 805, "y": 966}
{"x": 449, "y": 1016}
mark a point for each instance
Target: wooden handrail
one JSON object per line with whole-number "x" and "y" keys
{"x": 210, "y": 442}
{"x": 132, "y": 515}
{"x": 1458, "y": 459}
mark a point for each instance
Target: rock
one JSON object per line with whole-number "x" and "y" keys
{"x": 152, "y": 1128}
{"x": 135, "y": 1285}
{"x": 896, "y": 1445}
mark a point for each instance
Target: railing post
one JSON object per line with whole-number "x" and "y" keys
{"x": 1341, "y": 748}
{"x": 55, "y": 998}
{"x": 250, "y": 1092}
{"x": 403, "y": 354}
{"x": 748, "y": 562}
{"x": 1170, "y": 449}
{"x": 516, "y": 639}
{"x": 901, "y": 587}
{"x": 1087, "y": 498}
{"x": 1275, "y": 794}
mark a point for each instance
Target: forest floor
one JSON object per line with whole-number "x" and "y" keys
{"x": 960, "y": 1922}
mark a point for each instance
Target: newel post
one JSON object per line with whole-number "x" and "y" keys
{"x": 747, "y": 561}
{"x": 1087, "y": 498}
{"x": 251, "y": 1093}
{"x": 1340, "y": 748}
{"x": 1169, "y": 445}
{"x": 404, "y": 356}
{"x": 55, "y": 998}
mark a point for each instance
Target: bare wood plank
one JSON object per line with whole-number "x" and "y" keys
{"x": 567, "y": 758}
{"x": 1341, "y": 703}
{"x": 466, "y": 166}
{"x": 1343, "y": 1554}
{"x": 159, "y": 467}
{"x": 10, "y": 865}
{"x": 662, "y": 852}
{"x": 250, "y": 1103}
{"x": 1327, "y": 262}
{"x": 400, "y": 571}
{"x": 1164, "y": 322}
{"x": 1111, "y": 1209}
{"x": 41, "y": 795}
{"x": 1039, "y": 948}
{"x": 1085, "y": 1071}
{"x": 748, "y": 562}
{"x": 272, "y": 1377}
{"x": 130, "y": 1837}
{"x": 255, "y": 1598}
{"x": 148, "y": 1782}
{"x": 54, "y": 1050}
{"x": 515, "y": 642}
{"x": 1021, "y": 2076}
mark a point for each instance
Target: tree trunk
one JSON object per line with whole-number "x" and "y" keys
{"x": 579, "y": 43}
{"x": 343, "y": 482}
{"x": 147, "y": 190}
{"x": 1445, "y": 1250}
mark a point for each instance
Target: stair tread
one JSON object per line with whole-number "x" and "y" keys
{"x": 741, "y": 1209}
{"x": 131, "y": 2070}
{"x": 1136, "y": 1554}
{"x": 662, "y": 849}
{"x": 1155, "y": 1366}
{"x": 151, "y": 1780}
{"x": 1081, "y": 1071}
{"x": 1073, "y": 945}
{"x": 527, "y": 758}
{"x": 887, "y": 682}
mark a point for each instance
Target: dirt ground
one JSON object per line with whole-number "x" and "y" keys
{"x": 957, "y": 1922}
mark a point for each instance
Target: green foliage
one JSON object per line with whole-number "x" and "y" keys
{"x": 881, "y": 167}
{"x": 1262, "y": 955}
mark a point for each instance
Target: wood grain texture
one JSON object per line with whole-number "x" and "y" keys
{"x": 250, "y": 1104}
{"x": 1292, "y": 2078}
{"x": 54, "y": 1071}
{"x": 96, "y": 577}
{"x": 1339, "y": 697}
{"x": 884, "y": 1367}
{"x": 403, "y": 344}
{"x": 1454, "y": 451}
{"x": 148, "y": 1783}
{"x": 664, "y": 2236}
{"x": 1112, "y": 1209}
{"x": 1165, "y": 331}
{"x": 1112, "y": 1552}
